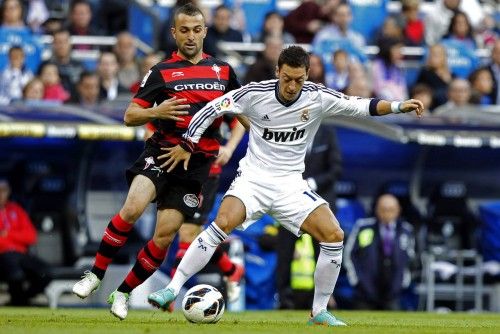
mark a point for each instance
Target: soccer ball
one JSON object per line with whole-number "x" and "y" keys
{"x": 203, "y": 304}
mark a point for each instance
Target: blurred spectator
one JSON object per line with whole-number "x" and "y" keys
{"x": 339, "y": 28}
{"x": 14, "y": 77}
{"x": 80, "y": 15}
{"x": 486, "y": 34}
{"x": 147, "y": 62}
{"x": 378, "y": 254}
{"x": 107, "y": 69}
{"x": 390, "y": 29}
{"x": 25, "y": 274}
{"x": 409, "y": 20}
{"x": 11, "y": 14}
{"x": 53, "y": 89}
{"x": 53, "y": 24}
{"x": 338, "y": 78}
{"x": 423, "y": 93}
{"x": 359, "y": 87}
{"x": 460, "y": 30}
{"x": 357, "y": 71}
{"x": 38, "y": 13}
{"x": 436, "y": 74}
{"x": 33, "y": 91}
{"x": 273, "y": 26}
{"x": 481, "y": 82}
{"x": 87, "y": 90}
{"x": 69, "y": 69}
{"x": 126, "y": 52}
{"x": 220, "y": 30}
{"x": 437, "y": 21}
{"x": 389, "y": 82}
{"x": 308, "y": 18}
{"x": 494, "y": 68}
{"x": 316, "y": 70}
{"x": 459, "y": 93}
{"x": 264, "y": 67}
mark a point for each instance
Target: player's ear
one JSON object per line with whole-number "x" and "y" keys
{"x": 277, "y": 71}
{"x": 172, "y": 31}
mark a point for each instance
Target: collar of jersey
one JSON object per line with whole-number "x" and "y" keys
{"x": 176, "y": 57}
{"x": 277, "y": 94}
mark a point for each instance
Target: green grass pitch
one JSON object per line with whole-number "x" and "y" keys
{"x": 75, "y": 321}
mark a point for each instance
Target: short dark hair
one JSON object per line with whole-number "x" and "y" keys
{"x": 75, "y": 3}
{"x": 294, "y": 56}
{"x": 87, "y": 74}
{"x": 188, "y": 9}
{"x": 16, "y": 47}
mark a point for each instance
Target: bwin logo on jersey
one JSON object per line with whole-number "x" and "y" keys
{"x": 283, "y": 136}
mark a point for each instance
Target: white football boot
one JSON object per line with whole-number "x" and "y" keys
{"x": 119, "y": 304}
{"x": 88, "y": 284}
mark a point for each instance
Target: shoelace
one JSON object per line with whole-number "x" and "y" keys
{"x": 86, "y": 274}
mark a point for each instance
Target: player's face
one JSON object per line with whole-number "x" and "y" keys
{"x": 189, "y": 32}
{"x": 291, "y": 80}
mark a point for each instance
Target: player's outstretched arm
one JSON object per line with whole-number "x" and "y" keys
{"x": 386, "y": 107}
{"x": 172, "y": 108}
{"x": 174, "y": 155}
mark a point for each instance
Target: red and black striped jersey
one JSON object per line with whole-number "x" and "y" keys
{"x": 198, "y": 83}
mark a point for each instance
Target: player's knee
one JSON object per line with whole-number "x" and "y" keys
{"x": 335, "y": 235}
{"x": 163, "y": 239}
{"x": 130, "y": 214}
{"x": 223, "y": 223}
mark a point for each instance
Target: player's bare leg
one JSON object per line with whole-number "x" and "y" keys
{"x": 322, "y": 225}
{"x": 141, "y": 193}
{"x": 148, "y": 260}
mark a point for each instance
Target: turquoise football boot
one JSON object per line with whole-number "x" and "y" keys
{"x": 325, "y": 318}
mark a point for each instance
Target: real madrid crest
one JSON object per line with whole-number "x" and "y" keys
{"x": 305, "y": 115}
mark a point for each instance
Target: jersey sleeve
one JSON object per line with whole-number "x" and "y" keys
{"x": 151, "y": 85}
{"x": 234, "y": 102}
{"x": 336, "y": 103}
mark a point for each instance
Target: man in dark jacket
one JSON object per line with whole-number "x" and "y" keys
{"x": 378, "y": 255}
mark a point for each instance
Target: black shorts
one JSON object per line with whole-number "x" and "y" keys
{"x": 208, "y": 193}
{"x": 179, "y": 189}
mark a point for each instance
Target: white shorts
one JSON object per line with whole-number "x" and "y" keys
{"x": 288, "y": 199}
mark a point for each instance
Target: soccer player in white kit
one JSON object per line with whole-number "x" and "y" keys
{"x": 283, "y": 117}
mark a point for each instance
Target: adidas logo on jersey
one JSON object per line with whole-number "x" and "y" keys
{"x": 265, "y": 118}
{"x": 283, "y": 136}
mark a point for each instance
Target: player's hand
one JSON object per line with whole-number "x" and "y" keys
{"x": 225, "y": 153}
{"x": 172, "y": 108}
{"x": 413, "y": 105}
{"x": 174, "y": 155}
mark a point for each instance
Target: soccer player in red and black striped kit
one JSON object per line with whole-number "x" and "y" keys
{"x": 179, "y": 86}
{"x": 233, "y": 273}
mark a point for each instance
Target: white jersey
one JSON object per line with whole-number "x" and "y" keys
{"x": 279, "y": 132}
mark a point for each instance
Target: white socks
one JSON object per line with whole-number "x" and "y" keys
{"x": 197, "y": 256}
{"x": 326, "y": 274}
